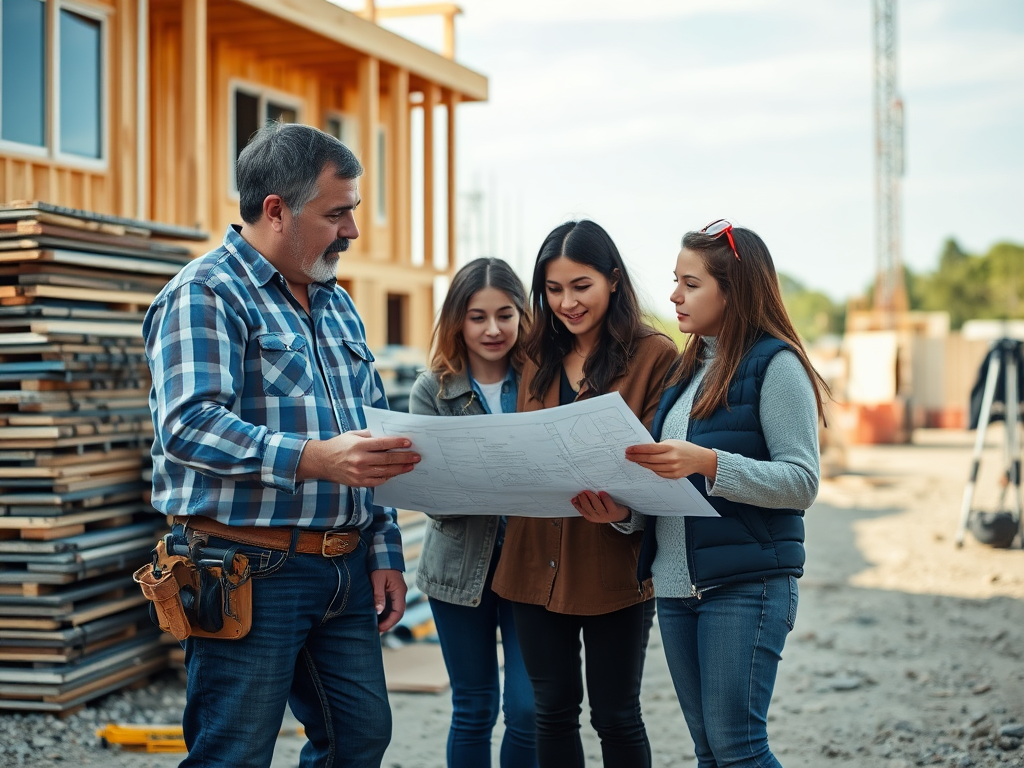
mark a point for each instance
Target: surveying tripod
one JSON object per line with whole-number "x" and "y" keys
{"x": 1005, "y": 357}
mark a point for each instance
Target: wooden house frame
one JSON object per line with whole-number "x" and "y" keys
{"x": 174, "y": 78}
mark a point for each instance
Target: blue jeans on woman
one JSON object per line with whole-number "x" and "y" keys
{"x": 314, "y": 644}
{"x": 469, "y": 644}
{"x": 723, "y": 652}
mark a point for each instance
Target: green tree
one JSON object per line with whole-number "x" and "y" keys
{"x": 813, "y": 313}
{"x": 975, "y": 287}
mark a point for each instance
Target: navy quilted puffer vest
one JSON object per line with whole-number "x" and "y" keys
{"x": 747, "y": 542}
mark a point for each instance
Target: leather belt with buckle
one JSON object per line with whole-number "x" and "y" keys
{"x": 327, "y": 543}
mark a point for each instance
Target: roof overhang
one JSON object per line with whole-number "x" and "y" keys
{"x": 335, "y": 23}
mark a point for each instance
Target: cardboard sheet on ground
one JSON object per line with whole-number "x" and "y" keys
{"x": 529, "y": 464}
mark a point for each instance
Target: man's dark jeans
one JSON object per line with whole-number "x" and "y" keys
{"x": 314, "y": 645}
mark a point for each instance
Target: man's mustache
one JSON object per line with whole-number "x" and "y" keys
{"x": 338, "y": 246}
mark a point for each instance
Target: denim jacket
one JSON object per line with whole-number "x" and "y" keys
{"x": 457, "y": 549}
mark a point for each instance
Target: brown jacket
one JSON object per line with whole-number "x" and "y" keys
{"x": 569, "y": 564}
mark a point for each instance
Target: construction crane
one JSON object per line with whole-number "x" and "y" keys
{"x": 890, "y": 298}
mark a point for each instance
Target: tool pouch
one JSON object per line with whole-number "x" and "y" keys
{"x": 190, "y": 600}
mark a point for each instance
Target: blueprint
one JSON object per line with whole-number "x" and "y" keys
{"x": 528, "y": 464}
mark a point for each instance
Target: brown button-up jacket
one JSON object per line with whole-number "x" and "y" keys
{"x": 569, "y": 564}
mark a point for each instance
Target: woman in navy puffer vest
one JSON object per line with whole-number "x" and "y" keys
{"x": 739, "y": 418}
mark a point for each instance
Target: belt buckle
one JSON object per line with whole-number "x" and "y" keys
{"x": 330, "y": 536}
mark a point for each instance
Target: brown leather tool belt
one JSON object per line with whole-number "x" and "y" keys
{"x": 327, "y": 543}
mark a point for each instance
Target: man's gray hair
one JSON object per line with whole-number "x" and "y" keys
{"x": 286, "y": 159}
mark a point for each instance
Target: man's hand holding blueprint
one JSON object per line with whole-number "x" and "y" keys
{"x": 529, "y": 464}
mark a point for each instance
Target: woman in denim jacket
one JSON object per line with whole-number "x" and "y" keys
{"x": 475, "y": 369}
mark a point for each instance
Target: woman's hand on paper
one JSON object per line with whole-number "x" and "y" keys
{"x": 675, "y": 459}
{"x": 600, "y": 507}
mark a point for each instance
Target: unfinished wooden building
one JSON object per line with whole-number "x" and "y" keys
{"x": 139, "y": 107}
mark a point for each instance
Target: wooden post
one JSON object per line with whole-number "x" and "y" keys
{"x": 431, "y": 97}
{"x": 451, "y": 101}
{"x": 123, "y": 124}
{"x": 195, "y": 153}
{"x": 369, "y": 117}
{"x": 449, "y": 34}
{"x": 400, "y": 193}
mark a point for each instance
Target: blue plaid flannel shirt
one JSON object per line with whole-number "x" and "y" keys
{"x": 242, "y": 379}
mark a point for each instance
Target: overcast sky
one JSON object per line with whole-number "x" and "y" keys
{"x": 654, "y": 117}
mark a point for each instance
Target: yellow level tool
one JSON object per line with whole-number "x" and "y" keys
{"x": 156, "y": 738}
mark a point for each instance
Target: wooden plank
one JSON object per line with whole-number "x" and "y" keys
{"x": 100, "y": 261}
{"x": 78, "y": 440}
{"x": 415, "y": 667}
{"x": 17, "y": 209}
{"x": 30, "y": 228}
{"x": 46, "y": 242}
{"x": 82, "y": 294}
{"x": 44, "y": 273}
{"x": 27, "y": 522}
{"x": 44, "y": 534}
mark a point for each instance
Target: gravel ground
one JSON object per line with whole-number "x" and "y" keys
{"x": 907, "y": 651}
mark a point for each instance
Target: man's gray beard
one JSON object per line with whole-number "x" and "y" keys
{"x": 323, "y": 270}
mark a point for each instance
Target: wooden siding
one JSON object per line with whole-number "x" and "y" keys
{"x": 197, "y": 52}
{"x": 63, "y": 181}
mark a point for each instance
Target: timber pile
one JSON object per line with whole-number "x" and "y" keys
{"x": 75, "y": 432}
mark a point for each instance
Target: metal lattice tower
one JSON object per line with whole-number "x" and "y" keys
{"x": 890, "y": 291}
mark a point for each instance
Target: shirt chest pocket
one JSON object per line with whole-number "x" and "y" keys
{"x": 356, "y": 365}
{"x": 284, "y": 360}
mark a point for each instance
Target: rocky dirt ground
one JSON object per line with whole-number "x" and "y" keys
{"x": 907, "y": 650}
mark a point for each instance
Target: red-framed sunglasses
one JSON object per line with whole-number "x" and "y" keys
{"x": 720, "y": 227}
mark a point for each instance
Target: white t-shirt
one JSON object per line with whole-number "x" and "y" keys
{"x": 492, "y": 394}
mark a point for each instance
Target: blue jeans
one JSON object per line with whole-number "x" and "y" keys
{"x": 723, "y": 651}
{"x": 469, "y": 644}
{"x": 314, "y": 644}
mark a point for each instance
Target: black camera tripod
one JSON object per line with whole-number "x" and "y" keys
{"x": 999, "y": 400}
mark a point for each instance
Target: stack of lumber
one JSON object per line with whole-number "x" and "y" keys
{"x": 75, "y": 432}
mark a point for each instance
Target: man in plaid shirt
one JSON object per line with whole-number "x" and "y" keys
{"x": 260, "y": 373}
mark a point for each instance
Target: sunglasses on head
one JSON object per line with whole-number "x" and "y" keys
{"x": 720, "y": 227}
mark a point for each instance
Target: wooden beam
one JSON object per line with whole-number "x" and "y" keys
{"x": 399, "y": 169}
{"x": 369, "y": 117}
{"x": 451, "y": 102}
{"x": 431, "y": 96}
{"x": 448, "y": 12}
{"x": 195, "y": 155}
{"x": 347, "y": 28}
{"x": 426, "y": 9}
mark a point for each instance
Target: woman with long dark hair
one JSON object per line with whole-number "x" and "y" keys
{"x": 576, "y": 575}
{"x": 740, "y": 420}
{"x": 475, "y": 369}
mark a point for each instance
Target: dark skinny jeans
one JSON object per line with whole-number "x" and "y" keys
{"x": 615, "y": 646}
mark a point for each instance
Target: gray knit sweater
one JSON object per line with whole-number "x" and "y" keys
{"x": 789, "y": 421}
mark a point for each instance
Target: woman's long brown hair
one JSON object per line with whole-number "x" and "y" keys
{"x": 549, "y": 341}
{"x": 450, "y": 356}
{"x": 753, "y": 307}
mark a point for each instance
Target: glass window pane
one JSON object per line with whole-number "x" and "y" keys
{"x": 334, "y": 128}
{"x": 247, "y": 110}
{"x": 280, "y": 113}
{"x": 23, "y": 41}
{"x": 81, "y": 130}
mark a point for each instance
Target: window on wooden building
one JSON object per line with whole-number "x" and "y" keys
{"x": 81, "y": 87}
{"x": 67, "y": 120}
{"x": 398, "y": 311}
{"x": 345, "y": 128}
{"x": 253, "y": 107}
{"x": 23, "y": 107}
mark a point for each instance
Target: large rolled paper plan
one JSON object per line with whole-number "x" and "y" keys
{"x": 529, "y": 464}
